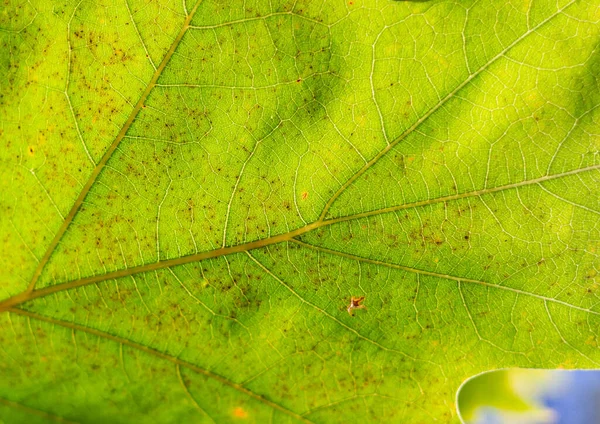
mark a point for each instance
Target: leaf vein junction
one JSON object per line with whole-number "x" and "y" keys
{"x": 431, "y": 111}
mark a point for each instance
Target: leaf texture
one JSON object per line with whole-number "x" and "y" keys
{"x": 192, "y": 192}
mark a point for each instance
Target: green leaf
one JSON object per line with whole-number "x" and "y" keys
{"x": 192, "y": 193}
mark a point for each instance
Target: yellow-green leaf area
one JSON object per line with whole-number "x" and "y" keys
{"x": 194, "y": 194}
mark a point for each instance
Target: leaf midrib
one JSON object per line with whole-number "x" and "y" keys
{"x": 289, "y": 236}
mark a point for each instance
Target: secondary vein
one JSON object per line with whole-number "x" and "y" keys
{"x": 109, "y": 152}
{"x": 431, "y": 111}
{"x": 443, "y": 276}
{"x": 153, "y": 352}
{"x": 43, "y": 414}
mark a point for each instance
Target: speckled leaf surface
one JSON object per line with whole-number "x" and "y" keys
{"x": 191, "y": 193}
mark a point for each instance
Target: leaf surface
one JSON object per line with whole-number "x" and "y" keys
{"x": 192, "y": 193}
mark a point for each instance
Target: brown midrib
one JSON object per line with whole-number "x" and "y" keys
{"x": 30, "y": 295}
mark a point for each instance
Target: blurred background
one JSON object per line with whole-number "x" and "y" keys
{"x": 528, "y": 396}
